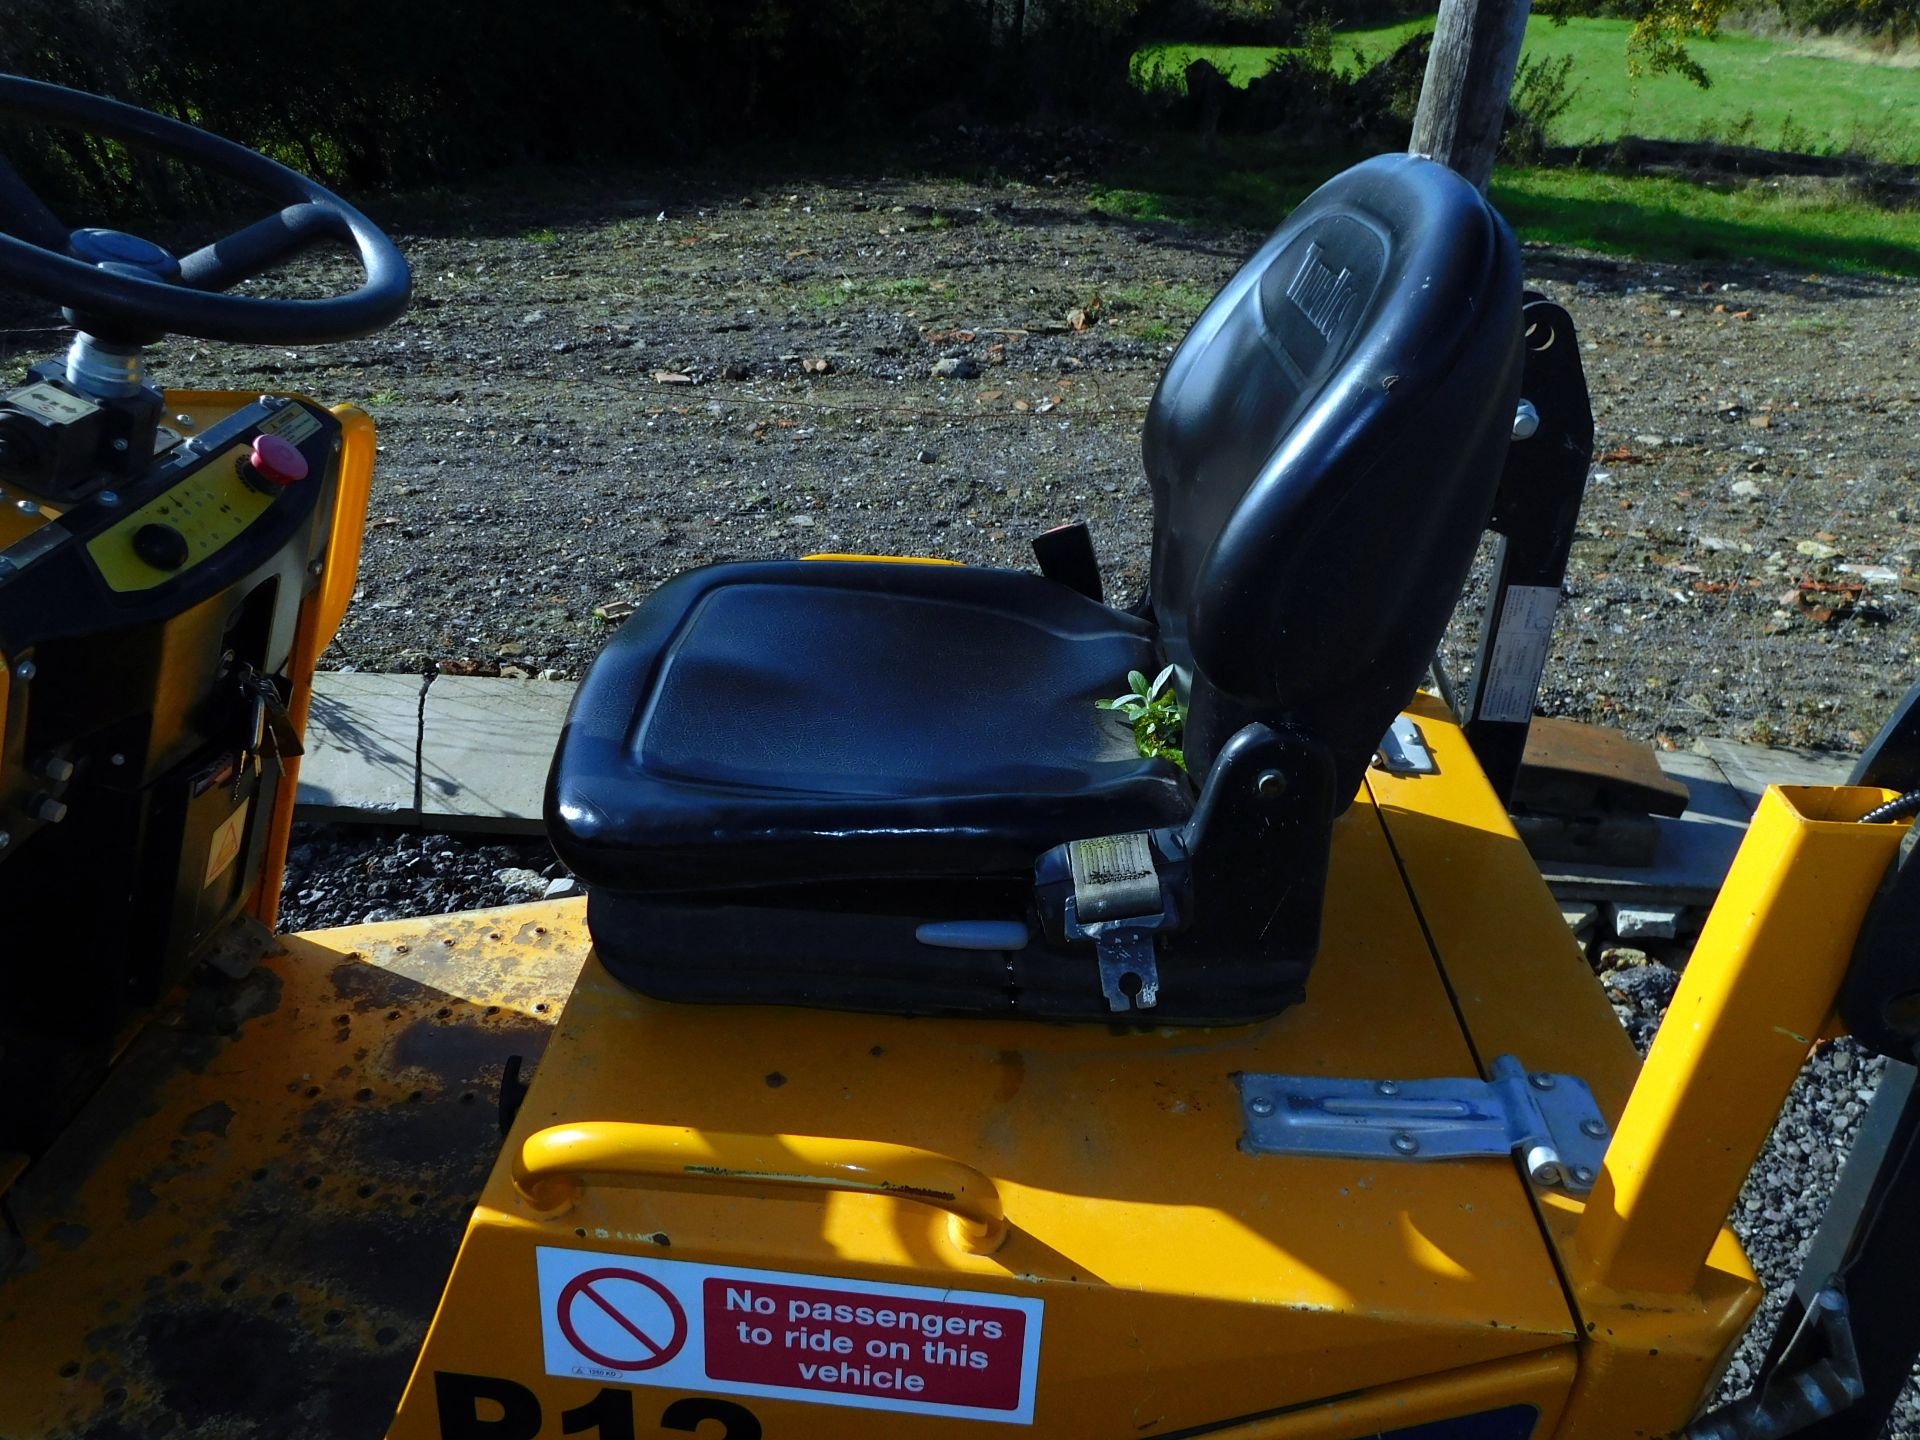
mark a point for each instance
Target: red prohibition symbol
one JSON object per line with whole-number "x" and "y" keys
{"x": 656, "y": 1338}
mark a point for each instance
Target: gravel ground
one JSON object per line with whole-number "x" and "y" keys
{"x": 349, "y": 875}
{"x": 1787, "y": 1193}
{"x": 604, "y": 384}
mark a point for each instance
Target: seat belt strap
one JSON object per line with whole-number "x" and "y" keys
{"x": 1066, "y": 555}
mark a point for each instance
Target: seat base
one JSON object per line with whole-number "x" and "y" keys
{"x": 700, "y": 950}
{"x": 1232, "y": 935}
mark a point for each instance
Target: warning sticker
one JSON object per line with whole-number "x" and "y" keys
{"x": 50, "y": 402}
{"x": 224, "y": 848}
{"x": 1519, "y": 652}
{"x": 293, "y": 422}
{"x": 642, "y": 1321}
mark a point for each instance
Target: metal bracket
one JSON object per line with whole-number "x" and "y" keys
{"x": 1817, "y": 1378}
{"x": 1551, "y": 1121}
{"x": 1124, "y": 950}
{"x": 1403, "y": 751}
{"x": 1118, "y": 885}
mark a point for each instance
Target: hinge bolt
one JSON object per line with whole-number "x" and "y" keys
{"x": 1405, "y": 1143}
{"x": 1540, "y": 1080}
{"x": 1593, "y": 1129}
{"x": 1260, "y": 1105}
{"x": 1270, "y": 785}
{"x": 1388, "y": 1087}
{"x": 1583, "y": 1174}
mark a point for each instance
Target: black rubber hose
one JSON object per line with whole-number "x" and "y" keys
{"x": 1907, "y": 804}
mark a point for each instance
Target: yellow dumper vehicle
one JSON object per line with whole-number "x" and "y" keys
{"x": 925, "y": 1058}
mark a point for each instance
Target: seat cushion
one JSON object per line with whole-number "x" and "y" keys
{"x": 758, "y": 725}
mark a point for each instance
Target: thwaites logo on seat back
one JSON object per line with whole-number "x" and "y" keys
{"x": 637, "y": 1320}
{"x": 1321, "y": 293}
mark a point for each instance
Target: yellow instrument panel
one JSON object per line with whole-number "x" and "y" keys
{"x": 208, "y": 510}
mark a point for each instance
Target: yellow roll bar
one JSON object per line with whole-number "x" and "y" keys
{"x": 1756, "y": 995}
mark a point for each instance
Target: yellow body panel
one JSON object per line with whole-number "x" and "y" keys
{"x": 1184, "y": 1282}
{"x": 884, "y": 559}
{"x": 1524, "y": 988}
{"x": 255, "y": 1214}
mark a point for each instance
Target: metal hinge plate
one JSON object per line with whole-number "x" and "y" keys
{"x": 1403, "y": 751}
{"x": 1551, "y": 1121}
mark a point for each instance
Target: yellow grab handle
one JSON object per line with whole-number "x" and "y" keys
{"x": 547, "y": 1172}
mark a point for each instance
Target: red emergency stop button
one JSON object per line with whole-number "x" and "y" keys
{"x": 276, "y": 462}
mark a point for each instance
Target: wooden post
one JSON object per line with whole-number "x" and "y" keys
{"x": 1463, "y": 102}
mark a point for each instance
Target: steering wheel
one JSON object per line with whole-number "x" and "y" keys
{"x": 120, "y": 287}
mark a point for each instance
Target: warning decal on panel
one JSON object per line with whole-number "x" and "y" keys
{"x": 1519, "y": 653}
{"x": 641, "y": 1321}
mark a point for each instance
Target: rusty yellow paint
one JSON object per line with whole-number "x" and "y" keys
{"x": 1186, "y": 1282}
{"x": 1524, "y": 988}
{"x": 1762, "y": 979}
{"x": 251, "y": 1222}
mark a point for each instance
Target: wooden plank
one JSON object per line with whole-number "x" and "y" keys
{"x": 486, "y": 749}
{"x": 361, "y": 734}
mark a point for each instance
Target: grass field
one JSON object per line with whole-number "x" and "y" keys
{"x": 1253, "y": 183}
{"x": 1766, "y": 92}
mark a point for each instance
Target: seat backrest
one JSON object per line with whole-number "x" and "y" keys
{"x": 1324, "y": 450}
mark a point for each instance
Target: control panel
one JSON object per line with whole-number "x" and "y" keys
{"x": 150, "y": 617}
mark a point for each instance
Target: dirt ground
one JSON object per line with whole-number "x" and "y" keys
{"x": 605, "y": 383}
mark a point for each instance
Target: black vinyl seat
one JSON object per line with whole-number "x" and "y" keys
{"x": 779, "y": 775}
{"x": 763, "y": 724}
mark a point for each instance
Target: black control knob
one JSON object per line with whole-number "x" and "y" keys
{"x": 161, "y": 546}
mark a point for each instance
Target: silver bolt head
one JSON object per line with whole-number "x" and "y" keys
{"x": 1260, "y": 1105}
{"x": 108, "y": 498}
{"x": 6, "y": 839}
{"x": 1388, "y": 1087}
{"x": 1526, "y": 421}
{"x": 120, "y": 445}
{"x": 1543, "y": 1164}
{"x": 1583, "y": 1175}
{"x": 1593, "y": 1128}
{"x": 1540, "y": 1080}
{"x": 27, "y": 507}
{"x": 116, "y": 758}
{"x": 1270, "y": 785}
{"x": 1405, "y": 1143}
{"x": 184, "y": 420}
{"x": 25, "y": 670}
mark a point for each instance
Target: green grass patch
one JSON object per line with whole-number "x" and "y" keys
{"x": 830, "y": 297}
{"x": 844, "y": 292}
{"x": 1797, "y": 228}
{"x": 1766, "y": 91}
{"x": 1252, "y": 184}
{"x": 541, "y": 235}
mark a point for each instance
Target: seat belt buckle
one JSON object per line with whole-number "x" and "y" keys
{"x": 1120, "y": 902}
